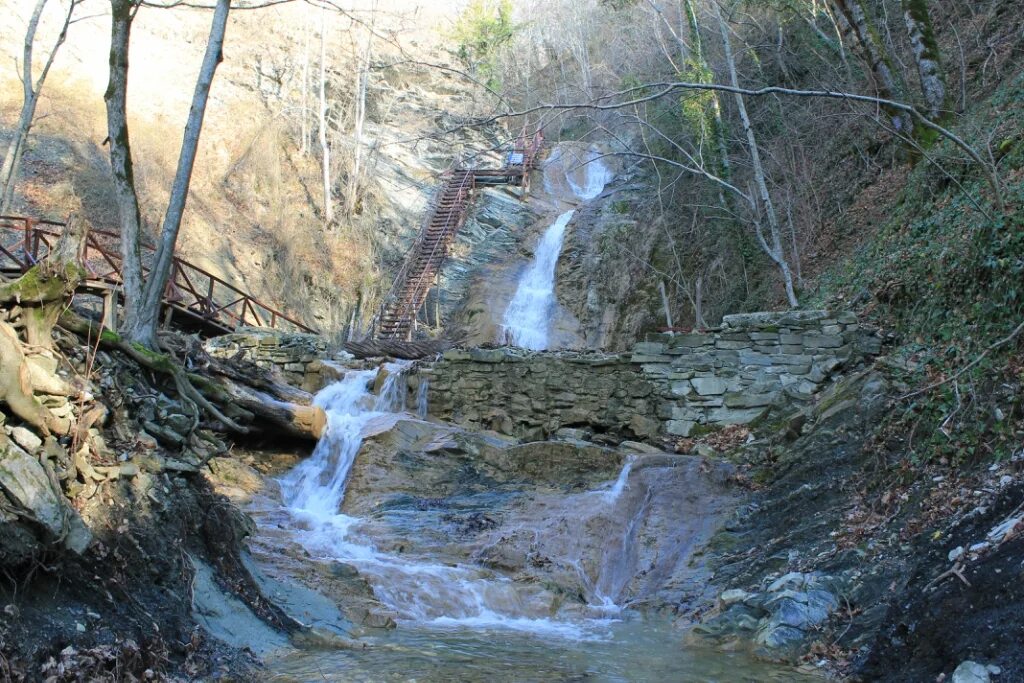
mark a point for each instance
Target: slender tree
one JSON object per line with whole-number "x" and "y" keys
{"x": 144, "y": 295}
{"x": 772, "y": 248}
{"x": 116, "y": 99}
{"x": 325, "y": 147}
{"x": 30, "y": 98}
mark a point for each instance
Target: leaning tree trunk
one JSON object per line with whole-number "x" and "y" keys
{"x": 774, "y": 250}
{"x": 141, "y": 322}
{"x": 116, "y": 99}
{"x": 874, "y": 54}
{"x": 926, "y": 54}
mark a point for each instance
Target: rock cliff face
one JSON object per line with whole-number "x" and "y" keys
{"x": 673, "y": 385}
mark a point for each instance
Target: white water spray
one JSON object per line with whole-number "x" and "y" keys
{"x": 596, "y": 175}
{"x": 528, "y": 316}
{"x": 527, "y": 319}
{"x": 612, "y": 494}
{"x": 419, "y": 589}
{"x": 421, "y": 398}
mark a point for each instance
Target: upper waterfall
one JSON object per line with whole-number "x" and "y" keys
{"x": 527, "y": 320}
{"x": 528, "y": 314}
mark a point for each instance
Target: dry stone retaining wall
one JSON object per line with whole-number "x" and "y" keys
{"x": 300, "y": 358}
{"x": 670, "y": 385}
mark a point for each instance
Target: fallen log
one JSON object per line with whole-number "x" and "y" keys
{"x": 292, "y": 419}
{"x": 208, "y": 392}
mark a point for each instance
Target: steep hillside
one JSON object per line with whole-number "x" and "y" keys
{"x": 256, "y": 213}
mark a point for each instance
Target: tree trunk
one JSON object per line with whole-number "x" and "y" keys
{"x": 304, "y": 121}
{"x": 116, "y": 99}
{"x": 717, "y": 124}
{"x": 926, "y": 54}
{"x": 140, "y": 323}
{"x": 41, "y": 295}
{"x": 362, "y": 82}
{"x": 30, "y": 98}
{"x": 325, "y": 149}
{"x": 866, "y": 36}
{"x": 773, "y": 250}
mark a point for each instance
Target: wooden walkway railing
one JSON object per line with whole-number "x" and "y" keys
{"x": 396, "y": 319}
{"x": 194, "y": 294}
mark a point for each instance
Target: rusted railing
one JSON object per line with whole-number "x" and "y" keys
{"x": 406, "y": 295}
{"x": 190, "y": 290}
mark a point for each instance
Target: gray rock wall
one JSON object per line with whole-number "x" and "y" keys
{"x": 670, "y": 385}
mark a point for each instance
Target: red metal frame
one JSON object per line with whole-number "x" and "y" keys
{"x": 402, "y": 303}
{"x": 190, "y": 289}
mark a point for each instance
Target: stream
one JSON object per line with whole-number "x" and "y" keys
{"x": 417, "y": 550}
{"x": 458, "y": 556}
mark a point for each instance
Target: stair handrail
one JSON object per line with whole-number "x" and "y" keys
{"x": 37, "y": 232}
{"x": 462, "y": 201}
{"x": 399, "y": 279}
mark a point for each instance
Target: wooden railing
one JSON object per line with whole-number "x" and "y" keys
{"x": 191, "y": 290}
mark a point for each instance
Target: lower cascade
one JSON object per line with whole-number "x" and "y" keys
{"x": 545, "y": 546}
{"x": 418, "y": 589}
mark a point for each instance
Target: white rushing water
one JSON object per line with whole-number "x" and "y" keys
{"x": 619, "y": 486}
{"x": 527, "y": 320}
{"x": 421, "y": 398}
{"x": 528, "y": 315}
{"x": 420, "y": 589}
{"x": 596, "y": 175}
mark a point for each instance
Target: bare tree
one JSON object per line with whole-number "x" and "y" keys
{"x": 144, "y": 295}
{"x": 30, "y": 97}
{"x": 325, "y": 148}
{"x": 361, "y": 85}
{"x": 877, "y": 58}
{"x": 122, "y": 14}
{"x": 774, "y": 248}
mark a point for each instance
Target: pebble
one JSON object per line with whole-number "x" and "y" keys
{"x": 971, "y": 672}
{"x": 1005, "y": 480}
{"x": 956, "y": 553}
{"x": 978, "y": 547}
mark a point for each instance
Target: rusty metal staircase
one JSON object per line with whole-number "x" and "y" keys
{"x": 398, "y": 314}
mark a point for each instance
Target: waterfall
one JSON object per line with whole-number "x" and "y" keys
{"x": 421, "y": 398}
{"x": 617, "y": 488}
{"x": 314, "y": 490}
{"x": 596, "y": 175}
{"x": 419, "y": 589}
{"x": 528, "y": 315}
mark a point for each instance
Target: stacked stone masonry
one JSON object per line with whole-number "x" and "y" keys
{"x": 671, "y": 385}
{"x": 299, "y": 358}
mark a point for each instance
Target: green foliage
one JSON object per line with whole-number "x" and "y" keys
{"x": 952, "y": 283}
{"x": 482, "y": 29}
